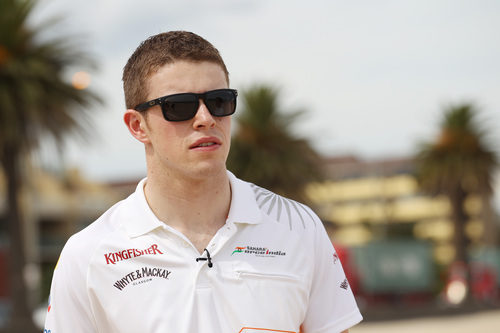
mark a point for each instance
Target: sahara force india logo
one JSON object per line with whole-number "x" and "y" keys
{"x": 258, "y": 251}
{"x": 114, "y": 257}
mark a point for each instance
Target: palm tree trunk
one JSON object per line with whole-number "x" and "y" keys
{"x": 20, "y": 319}
{"x": 460, "y": 217}
{"x": 460, "y": 239}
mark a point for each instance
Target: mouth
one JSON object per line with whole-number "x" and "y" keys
{"x": 206, "y": 142}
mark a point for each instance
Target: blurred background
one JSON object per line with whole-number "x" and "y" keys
{"x": 382, "y": 116}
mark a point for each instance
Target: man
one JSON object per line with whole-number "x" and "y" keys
{"x": 195, "y": 249}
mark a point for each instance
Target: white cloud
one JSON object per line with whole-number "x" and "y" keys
{"x": 373, "y": 74}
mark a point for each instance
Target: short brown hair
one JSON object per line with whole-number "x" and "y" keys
{"x": 159, "y": 50}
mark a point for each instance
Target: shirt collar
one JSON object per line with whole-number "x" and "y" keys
{"x": 244, "y": 208}
{"x": 138, "y": 218}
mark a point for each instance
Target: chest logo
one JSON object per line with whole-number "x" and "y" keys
{"x": 140, "y": 276}
{"x": 257, "y": 251}
{"x": 114, "y": 257}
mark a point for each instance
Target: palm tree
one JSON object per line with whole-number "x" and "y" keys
{"x": 265, "y": 152}
{"x": 35, "y": 103}
{"x": 457, "y": 164}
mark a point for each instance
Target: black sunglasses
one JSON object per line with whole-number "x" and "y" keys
{"x": 180, "y": 107}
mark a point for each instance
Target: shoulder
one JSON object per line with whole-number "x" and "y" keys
{"x": 291, "y": 213}
{"x": 272, "y": 207}
{"x": 80, "y": 247}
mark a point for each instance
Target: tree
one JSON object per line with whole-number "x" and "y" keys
{"x": 264, "y": 150}
{"x": 458, "y": 163}
{"x": 35, "y": 103}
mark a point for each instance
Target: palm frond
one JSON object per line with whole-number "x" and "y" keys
{"x": 35, "y": 100}
{"x": 264, "y": 150}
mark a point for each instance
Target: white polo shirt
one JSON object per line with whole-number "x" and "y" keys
{"x": 274, "y": 269}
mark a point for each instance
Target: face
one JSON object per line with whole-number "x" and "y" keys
{"x": 194, "y": 148}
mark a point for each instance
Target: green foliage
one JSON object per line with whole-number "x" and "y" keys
{"x": 459, "y": 157}
{"x": 264, "y": 150}
{"x": 456, "y": 164}
{"x": 35, "y": 100}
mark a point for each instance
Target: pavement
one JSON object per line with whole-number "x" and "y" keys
{"x": 487, "y": 321}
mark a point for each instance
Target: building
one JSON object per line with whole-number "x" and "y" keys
{"x": 364, "y": 201}
{"x": 53, "y": 206}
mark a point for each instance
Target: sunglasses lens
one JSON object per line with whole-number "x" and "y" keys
{"x": 221, "y": 102}
{"x": 180, "y": 107}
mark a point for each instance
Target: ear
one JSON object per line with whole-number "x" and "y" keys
{"x": 136, "y": 124}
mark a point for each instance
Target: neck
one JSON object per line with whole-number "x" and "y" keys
{"x": 197, "y": 207}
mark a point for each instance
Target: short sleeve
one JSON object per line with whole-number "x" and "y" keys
{"x": 69, "y": 307}
{"x": 332, "y": 307}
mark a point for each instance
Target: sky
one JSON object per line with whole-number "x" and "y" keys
{"x": 374, "y": 76}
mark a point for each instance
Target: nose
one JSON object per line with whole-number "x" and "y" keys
{"x": 203, "y": 117}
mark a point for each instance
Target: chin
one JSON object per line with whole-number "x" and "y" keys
{"x": 201, "y": 170}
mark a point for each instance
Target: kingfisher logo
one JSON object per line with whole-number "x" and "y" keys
{"x": 114, "y": 257}
{"x": 258, "y": 251}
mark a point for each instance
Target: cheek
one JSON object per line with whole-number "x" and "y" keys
{"x": 227, "y": 134}
{"x": 165, "y": 138}
{"x": 226, "y": 127}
